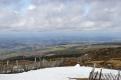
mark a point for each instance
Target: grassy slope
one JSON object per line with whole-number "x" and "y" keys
{"x": 100, "y": 54}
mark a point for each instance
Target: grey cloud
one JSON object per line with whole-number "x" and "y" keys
{"x": 62, "y": 15}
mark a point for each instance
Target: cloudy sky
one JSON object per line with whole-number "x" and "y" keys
{"x": 44, "y": 15}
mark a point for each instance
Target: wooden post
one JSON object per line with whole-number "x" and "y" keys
{"x": 7, "y": 63}
{"x": 103, "y": 77}
{"x": 91, "y": 74}
{"x": 110, "y": 77}
{"x": 39, "y": 62}
{"x": 17, "y": 63}
{"x": 100, "y": 74}
{"x": 96, "y": 74}
{"x": 118, "y": 76}
{"x": 35, "y": 65}
{"x": 2, "y": 67}
{"x": 113, "y": 76}
{"x": 35, "y": 60}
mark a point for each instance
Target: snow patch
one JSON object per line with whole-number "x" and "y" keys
{"x": 55, "y": 73}
{"x": 77, "y": 65}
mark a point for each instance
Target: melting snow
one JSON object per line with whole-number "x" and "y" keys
{"x": 56, "y": 73}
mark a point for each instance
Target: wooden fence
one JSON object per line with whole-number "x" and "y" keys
{"x": 9, "y": 67}
{"x": 99, "y": 75}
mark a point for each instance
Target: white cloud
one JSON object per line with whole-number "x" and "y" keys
{"x": 61, "y": 15}
{"x": 31, "y": 7}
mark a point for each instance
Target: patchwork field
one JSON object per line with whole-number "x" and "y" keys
{"x": 102, "y": 55}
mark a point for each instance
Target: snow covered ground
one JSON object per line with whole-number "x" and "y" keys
{"x": 56, "y": 73}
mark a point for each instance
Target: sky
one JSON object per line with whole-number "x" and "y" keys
{"x": 50, "y": 15}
